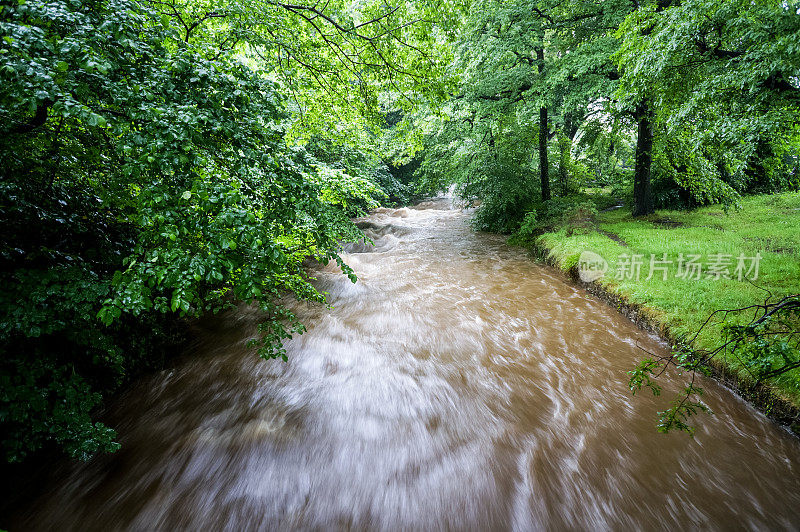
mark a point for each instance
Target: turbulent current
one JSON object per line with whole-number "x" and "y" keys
{"x": 457, "y": 385}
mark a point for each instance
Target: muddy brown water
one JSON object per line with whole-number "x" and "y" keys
{"x": 457, "y": 385}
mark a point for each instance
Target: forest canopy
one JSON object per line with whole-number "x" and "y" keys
{"x": 671, "y": 104}
{"x": 148, "y": 178}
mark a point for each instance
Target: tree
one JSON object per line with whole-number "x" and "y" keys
{"x": 533, "y": 62}
{"x": 146, "y": 179}
{"x": 495, "y": 111}
{"x": 642, "y": 193}
{"x": 721, "y": 82}
{"x": 337, "y": 61}
{"x": 544, "y": 166}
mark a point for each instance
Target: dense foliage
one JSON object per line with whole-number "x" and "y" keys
{"x": 147, "y": 178}
{"x": 664, "y": 103}
{"x": 721, "y": 78}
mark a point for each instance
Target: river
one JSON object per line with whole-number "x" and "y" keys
{"x": 457, "y": 385}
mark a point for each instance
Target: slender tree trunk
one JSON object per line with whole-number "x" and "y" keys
{"x": 543, "y": 164}
{"x": 564, "y": 145}
{"x": 543, "y": 130}
{"x": 642, "y": 195}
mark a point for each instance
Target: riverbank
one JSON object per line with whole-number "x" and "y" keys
{"x": 737, "y": 259}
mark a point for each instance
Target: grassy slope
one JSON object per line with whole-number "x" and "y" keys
{"x": 769, "y": 225}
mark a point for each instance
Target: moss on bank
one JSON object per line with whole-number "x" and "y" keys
{"x": 673, "y": 306}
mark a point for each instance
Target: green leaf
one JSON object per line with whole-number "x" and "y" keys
{"x": 96, "y": 120}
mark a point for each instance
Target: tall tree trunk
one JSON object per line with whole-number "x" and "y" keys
{"x": 543, "y": 131}
{"x": 543, "y": 164}
{"x": 564, "y": 145}
{"x": 642, "y": 195}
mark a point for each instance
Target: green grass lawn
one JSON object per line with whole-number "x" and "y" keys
{"x": 765, "y": 225}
